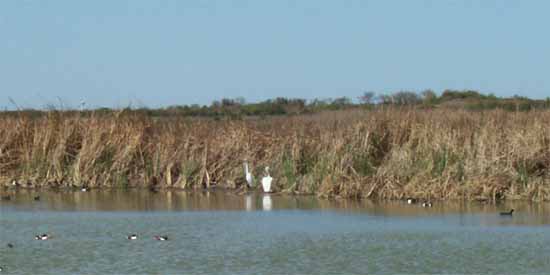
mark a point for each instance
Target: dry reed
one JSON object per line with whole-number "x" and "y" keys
{"x": 384, "y": 154}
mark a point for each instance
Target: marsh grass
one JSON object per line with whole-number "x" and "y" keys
{"x": 384, "y": 153}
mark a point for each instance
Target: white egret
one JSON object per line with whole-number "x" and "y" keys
{"x": 247, "y": 174}
{"x": 266, "y": 181}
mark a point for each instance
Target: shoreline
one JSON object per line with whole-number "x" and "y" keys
{"x": 245, "y": 192}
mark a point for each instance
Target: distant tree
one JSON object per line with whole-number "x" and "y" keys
{"x": 385, "y": 99}
{"x": 429, "y": 97}
{"x": 240, "y": 100}
{"x": 454, "y": 94}
{"x": 342, "y": 101}
{"x": 216, "y": 104}
{"x": 367, "y": 97}
{"x": 405, "y": 98}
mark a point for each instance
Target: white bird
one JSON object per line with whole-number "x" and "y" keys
{"x": 248, "y": 175}
{"x": 266, "y": 181}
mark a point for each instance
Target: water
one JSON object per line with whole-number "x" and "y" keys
{"x": 225, "y": 233}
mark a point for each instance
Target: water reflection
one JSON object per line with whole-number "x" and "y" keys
{"x": 177, "y": 200}
{"x": 267, "y": 203}
{"x": 248, "y": 202}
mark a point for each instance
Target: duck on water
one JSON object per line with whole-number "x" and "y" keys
{"x": 161, "y": 238}
{"x": 507, "y": 213}
{"x": 42, "y": 237}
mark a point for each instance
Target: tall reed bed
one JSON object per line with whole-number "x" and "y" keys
{"x": 384, "y": 154}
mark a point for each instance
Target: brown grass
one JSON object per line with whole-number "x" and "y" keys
{"x": 385, "y": 154}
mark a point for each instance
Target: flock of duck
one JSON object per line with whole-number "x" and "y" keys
{"x": 45, "y": 237}
{"x": 266, "y": 186}
{"x": 429, "y": 204}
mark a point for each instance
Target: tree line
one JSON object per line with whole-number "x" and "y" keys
{"x": 238, "y": 107}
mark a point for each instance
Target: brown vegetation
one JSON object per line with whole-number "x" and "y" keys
{"x": 384, "y": 153}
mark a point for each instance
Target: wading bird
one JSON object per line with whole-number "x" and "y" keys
{"x": 247, "y": 174}
{"x": 266, "y": 181}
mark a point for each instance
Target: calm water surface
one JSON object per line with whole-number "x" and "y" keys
{"x": 225, "y": 233}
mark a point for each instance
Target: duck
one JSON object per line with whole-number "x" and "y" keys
{"x": 411, "y": 201}
{"x": 10, "y": 245}
{"x": 153, "y": 189}
{"x": 132, "y": 237}
{"x": 1, "y": 269}
{"x": 42, "y": 237}
{"x": 37, "y": 198}
{"x": 507, "y": 213}
{"x": 161, "y": 238}
{"x": 426, "y": 204}
{"x": 84, "y": 189}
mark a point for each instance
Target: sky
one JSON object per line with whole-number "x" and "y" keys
{"x": 147, "y": 53}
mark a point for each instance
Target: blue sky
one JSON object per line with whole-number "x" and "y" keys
{"x": 158, "y": 53}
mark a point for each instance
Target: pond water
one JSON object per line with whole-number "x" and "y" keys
{"x": 228, "y": 233}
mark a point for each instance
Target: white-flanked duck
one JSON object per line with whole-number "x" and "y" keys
{"x": 42, "y": 237}
{"x": 161, "y": 238}
{"x": 132, "y": 237}
{"x": 411, "y": 201}
{"x": 426, "y": 204}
